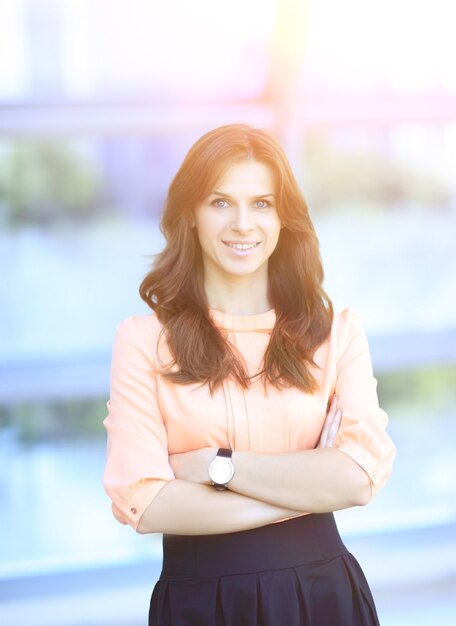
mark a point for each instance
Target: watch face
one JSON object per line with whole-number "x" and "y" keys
{"x": 221, "y": 471}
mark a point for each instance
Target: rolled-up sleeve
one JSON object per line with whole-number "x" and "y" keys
{"x": 362, "y": 433}
{"x": 137, "y": 466}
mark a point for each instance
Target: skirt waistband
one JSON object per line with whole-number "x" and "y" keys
{"x": 301, "y": 540}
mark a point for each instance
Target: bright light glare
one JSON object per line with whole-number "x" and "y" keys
{"x": 407, "y": 46}
{"x": 213, "y": 49}
{"x": 12, "y": 52}
{"x": 200, "y": 48}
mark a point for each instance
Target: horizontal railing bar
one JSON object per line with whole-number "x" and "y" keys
{"x": 96, "y": 119}
{"x": 89, "y": 378}
{"x": 100, "y": 118}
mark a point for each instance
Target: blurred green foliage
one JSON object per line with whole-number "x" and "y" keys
{"x": 44, "y": 181}
{"x": 336, "y": 176}
{"x": 32, "y": 422}
{"x": 419, "y": 393}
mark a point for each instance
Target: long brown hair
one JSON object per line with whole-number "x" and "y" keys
{"x": 174, "y": 287}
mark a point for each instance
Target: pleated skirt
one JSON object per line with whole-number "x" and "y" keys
{"x": 293, "y": 573}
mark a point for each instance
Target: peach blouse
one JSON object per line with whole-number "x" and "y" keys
{"x": 150, "y": 417}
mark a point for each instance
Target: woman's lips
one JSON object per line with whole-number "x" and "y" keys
{"x": 242, "y": 248}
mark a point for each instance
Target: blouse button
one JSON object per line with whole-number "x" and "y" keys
{"x": 134, "y": 511}
{"x": 375, "y": 475}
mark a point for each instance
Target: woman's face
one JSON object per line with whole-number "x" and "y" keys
{"x": 237, "y": 223}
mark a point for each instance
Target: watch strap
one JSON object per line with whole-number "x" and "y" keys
{"x": 225, "y": 452}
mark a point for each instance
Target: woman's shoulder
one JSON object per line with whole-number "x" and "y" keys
{"x": 145, "y": 322}
{"x": 139, "y": 336}
{"x": 346, "y": 323}
{"x": 345, "y": 317}
{"x": 143, "y": 328}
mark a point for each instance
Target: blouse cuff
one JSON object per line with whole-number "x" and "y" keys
{"x": 130, "y": 512}
{"x": 368, "y": 463}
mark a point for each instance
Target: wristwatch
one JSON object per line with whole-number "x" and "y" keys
{"x": 221, "y": 469}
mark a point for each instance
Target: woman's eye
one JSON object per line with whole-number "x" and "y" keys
{"x": 220, "y": 204}
{"x": 262, "y": 204}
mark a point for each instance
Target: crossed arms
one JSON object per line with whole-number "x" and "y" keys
{"x": 155, "y": 492}
{"x": 266, "y": 488}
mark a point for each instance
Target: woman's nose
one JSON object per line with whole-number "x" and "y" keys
{"x": 242, "y": 221}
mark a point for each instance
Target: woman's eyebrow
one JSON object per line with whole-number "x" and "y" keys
{"x": 225, "y": 195}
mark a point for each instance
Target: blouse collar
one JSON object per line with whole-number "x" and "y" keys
{"x": 258, "y": 321}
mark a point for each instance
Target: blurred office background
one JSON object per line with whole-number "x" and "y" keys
{"x": 99, "y": 102}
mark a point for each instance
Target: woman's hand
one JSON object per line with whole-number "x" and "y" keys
{"x": 192, "y": 466}
{"x": 331, "y": 425}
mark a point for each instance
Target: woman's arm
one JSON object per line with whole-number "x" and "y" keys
{"x": 317, "y": 481}
{"x": 188, "y": 508}
{"x": 314, "y": 481}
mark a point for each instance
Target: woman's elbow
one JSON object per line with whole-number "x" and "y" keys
{"x": 150, "y": 521}
{"x": 362, "y": 493}
{"x": 160, "y": 514}
{"x": 144, "y": 529}
{"x": 356, "y": 481}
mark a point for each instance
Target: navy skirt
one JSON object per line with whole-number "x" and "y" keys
{"x": 293, "y": 573}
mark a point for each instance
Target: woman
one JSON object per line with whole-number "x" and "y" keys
{"x": 224, "y": 431}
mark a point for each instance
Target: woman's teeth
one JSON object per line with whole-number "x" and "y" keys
{"x": 241, "y": 246}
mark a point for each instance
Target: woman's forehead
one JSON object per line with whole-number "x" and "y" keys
{"x": 246, "y": 174}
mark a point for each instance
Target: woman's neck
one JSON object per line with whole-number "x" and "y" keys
{"x": 241, "y": 299}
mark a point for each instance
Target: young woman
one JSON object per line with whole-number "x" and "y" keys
{"x": 243, "y": 412}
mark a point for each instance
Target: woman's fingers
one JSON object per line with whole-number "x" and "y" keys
{"x": 334, "y": 429}
{"x": 327, "y": 424}
{"x": 331, "y": 425}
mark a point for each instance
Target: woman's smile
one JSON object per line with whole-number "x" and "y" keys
{"x": 241, "y": 248}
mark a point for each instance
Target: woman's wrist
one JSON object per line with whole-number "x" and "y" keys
{"x": 193, "y": 465}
